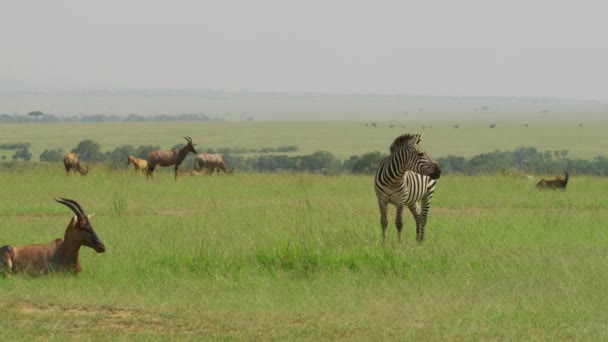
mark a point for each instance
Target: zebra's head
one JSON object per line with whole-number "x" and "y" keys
{"x": 407, "y": 149}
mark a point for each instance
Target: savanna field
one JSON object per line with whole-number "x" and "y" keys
{"x": 290, "y": 256}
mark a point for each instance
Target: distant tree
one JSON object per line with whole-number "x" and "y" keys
{"x": 492, "y": 125}
{"x": 89, "y": 150}
{"x": 367, "y": 163}
{"x": 36, "y": 114}
{"x": 135, "y": 117}
{"x": 119, "y": 155}
{"x": 22, "y": 154}
{"x": 143, "y": 150}
{"x": 52, "y": 155}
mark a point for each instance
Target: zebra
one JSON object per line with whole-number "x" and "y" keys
{"x": 417, "y": 198}
{"x": 394, "y": 185}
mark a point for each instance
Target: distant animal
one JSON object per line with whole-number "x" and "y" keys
{"x": 170, "y": 157}
{"x": 60, "y": 255}
{"x": 210, "y": 161}
{"x": 71, "y": 163}
{"x": 138, "y": 164}
{"x": 189, "y": 173}
{"x": 557, "y": 183}
{"x": 391, "y": 182}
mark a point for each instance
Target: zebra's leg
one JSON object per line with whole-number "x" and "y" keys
{"x": 399, "y": 221}
{"x": 421, "y": 221}
{"x": 383, "y": 218}
{"x": 415, "y": 210}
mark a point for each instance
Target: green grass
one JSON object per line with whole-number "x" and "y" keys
{"x": 299, "y": 257}
{"x": 344, "y": 139}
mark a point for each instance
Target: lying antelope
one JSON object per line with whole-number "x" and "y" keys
{"x": 210, "y": 161}
{"x": 71, "y": 163}
{"x": 138, "y": 164}
{"x": 60, "y": 255}
{"x": 190, "y": 173}
{"x": 169, "y": 157}
{"x": 557, "y": 183}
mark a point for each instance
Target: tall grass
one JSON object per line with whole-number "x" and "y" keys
{"x": 299, "y": 256}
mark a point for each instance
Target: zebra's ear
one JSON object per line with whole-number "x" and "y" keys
{"x": 415, "y": 140}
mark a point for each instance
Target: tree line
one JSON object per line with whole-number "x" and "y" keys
{"x": 38, "y": 116}
{"x": 522, "y": 160}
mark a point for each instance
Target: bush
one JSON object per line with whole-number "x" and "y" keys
{"x": 52, "y": 155}
{"x": 22, "y": 154}
{"x": 367, "y": 163}
{"x": 89, "y": 150}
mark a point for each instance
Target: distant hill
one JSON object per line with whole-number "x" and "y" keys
{"x": 301, "y": 106}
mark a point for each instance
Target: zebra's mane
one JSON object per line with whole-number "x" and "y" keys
{"x": 402, "y": 141}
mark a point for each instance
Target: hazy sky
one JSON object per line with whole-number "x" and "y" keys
{"x": 465, "y": 47}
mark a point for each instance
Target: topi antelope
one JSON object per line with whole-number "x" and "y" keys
{"x": 71, "y": 163}
{"x": 210, "y": 161}
{"x": 557, "y": 183}
{"x": 169, "y": 157}
{"x": 138, "y": 164}
{"x": 60, "y": 255}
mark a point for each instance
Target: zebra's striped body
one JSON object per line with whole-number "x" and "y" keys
{"x": 403, "y": 178}
{"x": 417, "y": 198}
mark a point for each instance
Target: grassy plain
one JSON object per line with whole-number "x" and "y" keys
{"x": 343, "y": 139}
{"x": 299, "y": 257}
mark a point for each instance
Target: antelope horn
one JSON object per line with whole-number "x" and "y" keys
{"x": 188, "y": 139}
{"x": 72, "y": 205}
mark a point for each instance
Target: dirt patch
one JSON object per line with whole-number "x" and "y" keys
{"x": 101, "y": 319}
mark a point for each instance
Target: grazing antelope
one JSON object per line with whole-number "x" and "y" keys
{"x": 71, "y": 163}
{"x": 392, "y": 184}
{"x": 557, "y": 183}
{"x": 169, "y": 157}
{"x": 210, "y": 161}
{"x": 138, "y": 164}
{"x": 60, "y": 255}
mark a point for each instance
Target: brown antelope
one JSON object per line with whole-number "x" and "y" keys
{"x": 210, "y": 161}
{"x": 189, "y": 173}
{"x": 138, "y": 164}
{"x": 71, "y": 163}
{"x": 557, "y": 183}
{"x": 169, "y": 157}
{"x": 60, "y": 255}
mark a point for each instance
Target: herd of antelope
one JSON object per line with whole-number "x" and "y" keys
{"x": 173, "y": 157}
{"x": 62, "y": 255}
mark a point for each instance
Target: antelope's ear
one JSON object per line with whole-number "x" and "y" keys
{"x": 74, "y": 219}
{"x": 90, "y": 215}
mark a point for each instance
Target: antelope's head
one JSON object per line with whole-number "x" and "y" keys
{"x": 83, "y": 170}
{"x": 407, "y": 148}
{"x": 80, "y": 227}
{"x": 190, "y": 145}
